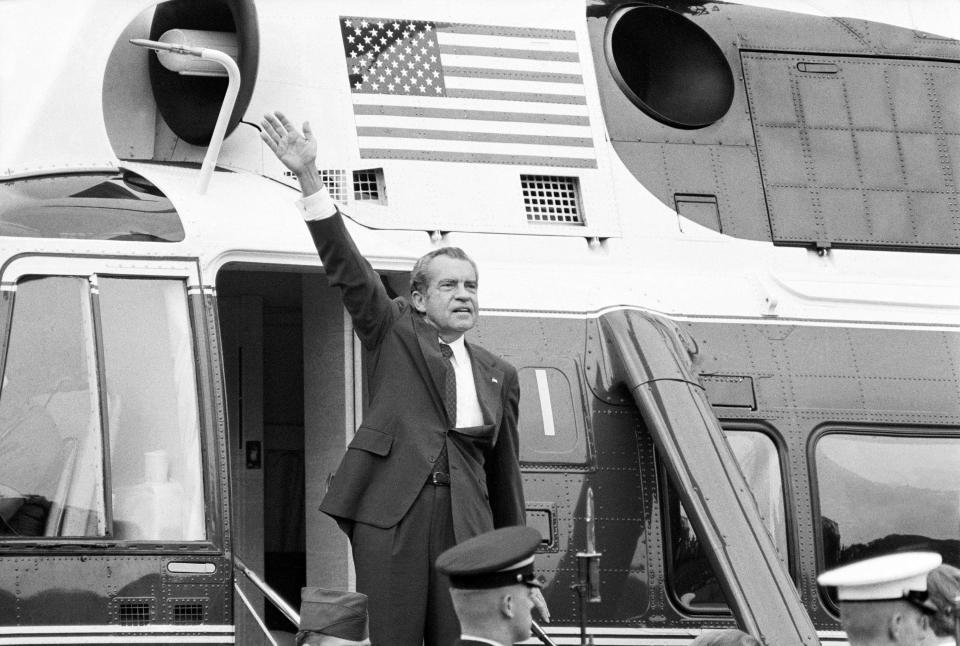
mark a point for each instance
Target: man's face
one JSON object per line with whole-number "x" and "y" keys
{"x": 915, "y": 628}
{"x": 450, "y": 302}
{"x": 523, "y": 620}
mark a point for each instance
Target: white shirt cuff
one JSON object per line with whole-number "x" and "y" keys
{"x": 317, "y": 206}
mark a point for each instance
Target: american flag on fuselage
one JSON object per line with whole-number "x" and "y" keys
{"x": 467, "y": 93}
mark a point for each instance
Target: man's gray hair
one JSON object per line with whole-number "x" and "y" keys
{"x": 419, "y": 280}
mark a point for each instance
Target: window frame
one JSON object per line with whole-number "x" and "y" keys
{"x": 42, "y": 265}
{"x": 862, "y": 429}
{"x": 789, "y": 510}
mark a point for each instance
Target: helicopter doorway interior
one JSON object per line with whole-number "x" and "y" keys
{"x": 284, "y": 334}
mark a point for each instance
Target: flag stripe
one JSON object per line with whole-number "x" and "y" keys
{"x": 529, "y": 97}
{"x": 454, "y": 61}
{"x": 485, "y": 158}
{"x": 445, "y": 113}
{"x": 506, "y": 42}
{"x": 465, "y": 83}
{"x": 512, "y": 75}
{"x": 469, "y": 103}
{"x": 497, "y": 137}
{"x": 449, "y": 145}
{"x": 499, "y": 30}
{"x": 515, "y": 127}
{"x": 499, "y": 52}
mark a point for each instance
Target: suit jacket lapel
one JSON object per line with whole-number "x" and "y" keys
{"x": 489, "y": 383}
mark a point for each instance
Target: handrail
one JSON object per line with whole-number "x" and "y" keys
{"x": 268, "y": 592}
{"x": 256, "y": 617}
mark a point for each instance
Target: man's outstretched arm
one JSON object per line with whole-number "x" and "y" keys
{"x": 363, "y": 294}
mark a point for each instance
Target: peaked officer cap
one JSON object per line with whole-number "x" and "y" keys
{"x": 884, "y": 578}
{"x": 493, "y": 559}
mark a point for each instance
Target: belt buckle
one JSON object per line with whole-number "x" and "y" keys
{"x": 440, "y": 479}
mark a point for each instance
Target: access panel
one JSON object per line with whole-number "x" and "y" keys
{"x": 857, "y": 151}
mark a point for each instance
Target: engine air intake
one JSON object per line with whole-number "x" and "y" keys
{"x": 668, "y": 66}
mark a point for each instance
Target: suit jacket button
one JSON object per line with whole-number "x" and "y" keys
{"x": 432, "y": 458}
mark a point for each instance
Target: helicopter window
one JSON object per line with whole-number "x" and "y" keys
{"x": 549, "y": 423}
{"x": 88, "y": 206}
{"x": 51, "y": 456}
{"x": 903, "y": 497}
{"x": 154, "y": 422}
{"x": 692, "y": 581}
{"x": 59, "y": 429}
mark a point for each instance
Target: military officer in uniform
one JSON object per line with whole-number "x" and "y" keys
{"x": 493, "y": 586}
{"x": 883, "y": 600}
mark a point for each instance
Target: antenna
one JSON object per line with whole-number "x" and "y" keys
{"x": 229, "y": 99}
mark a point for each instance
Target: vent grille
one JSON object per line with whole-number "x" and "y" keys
{"x": 188, "y": 613}
{"x": 134, "y": 613}
{"x": 368, "y": 185}
{"x": 552, "y": 199}
{"x": 335, "y": 179}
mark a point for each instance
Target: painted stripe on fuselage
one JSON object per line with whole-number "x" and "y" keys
{"x": 114, "y": 634}
{"x": 120, "y": 639}
{"x": 115, "y": 628}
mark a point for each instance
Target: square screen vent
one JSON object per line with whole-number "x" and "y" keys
{"x": 552, "y": 199}
{"x": 188, "y": 613}
{"x": 134, "y": 613}
{"x": 335, "y": 179}
{"x": 368, "y": 186}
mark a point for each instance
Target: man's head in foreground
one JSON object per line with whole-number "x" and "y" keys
{"x": 491, "y": 583}
{"x": 332, "y": 618}
{"x": 883, "y": 600}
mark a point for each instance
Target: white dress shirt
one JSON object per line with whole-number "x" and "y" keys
{"x": 468, "y": 406}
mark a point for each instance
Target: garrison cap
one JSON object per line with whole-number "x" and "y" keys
{"x": 493, "y": 559}
{"x": 885, "y": 578}
{"x": 336, "y": 613}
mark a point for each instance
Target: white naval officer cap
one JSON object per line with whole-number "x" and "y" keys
{"x": 885, "y": 578}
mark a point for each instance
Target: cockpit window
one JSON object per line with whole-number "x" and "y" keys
{"x": 80, "y": 460}
{"x": 51, "y": 454}
{"x": 89, "y": 206}
{"x": 880, "y": 492}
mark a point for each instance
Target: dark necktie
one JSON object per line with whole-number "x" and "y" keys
{"x": 442, "y": 464}
{"x": 450, "y": 384}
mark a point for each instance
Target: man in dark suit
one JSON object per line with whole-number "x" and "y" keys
{"x": 436, "y": 458}
{"x": 493, "y": 585}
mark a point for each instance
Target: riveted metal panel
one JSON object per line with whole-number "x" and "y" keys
{"x": 857, "y": 151}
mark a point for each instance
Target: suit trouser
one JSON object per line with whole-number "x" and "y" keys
{"x": 409, "y": 601}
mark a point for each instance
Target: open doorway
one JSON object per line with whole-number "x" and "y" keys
{"x": 289, "y": 372}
